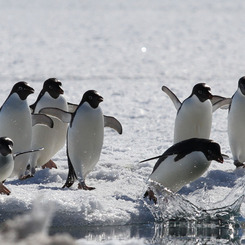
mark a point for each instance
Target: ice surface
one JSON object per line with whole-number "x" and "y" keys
{"x": 126, "y": 50}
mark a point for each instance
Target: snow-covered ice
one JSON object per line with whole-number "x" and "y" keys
{"x": 126, "y": 50}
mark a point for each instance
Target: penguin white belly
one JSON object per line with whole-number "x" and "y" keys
{"x": 15, "y": 123}
{"x": 85, "y": 140}
{"x": 194, "y": 120}
{"x": 6, "y": 166}
{"x": 175, "y": 175}
{"x": 236, "y": 127}
{"x": 51, "y": 139}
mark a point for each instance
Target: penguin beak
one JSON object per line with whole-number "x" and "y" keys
{"x": 100, "y": 98}
{"x": 29, "y": 89}
{"x": 220, "y": 159}
{"x": 210, "y": 96}
{"x": 61, "y": 91}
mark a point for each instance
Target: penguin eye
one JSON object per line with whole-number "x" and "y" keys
{"x": 210, "y": 152}
{"x": 199, "y": 91}
{"x": 50, "y": 87}
{"x": 90, "y": 97}
{"x": 20, "y": 88}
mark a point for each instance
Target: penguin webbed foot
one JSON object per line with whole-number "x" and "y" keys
{"x": 4, "y": 190}
{"x": 239, "y": 164}
{"x": 27, "y": 176}
{"x": 150, "y": 194}
{"x": 50, "y": 164}
{"x": 83, "y": 186}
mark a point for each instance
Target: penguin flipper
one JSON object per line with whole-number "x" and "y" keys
{"x": 113, "y": 123}
{"x": 42, "y": 119}
{"x": 71, "y": 175}
{"x": 222, "y": 104}
{"x": 172, "y": 96}
{"x": 64, "y": 116}
{"x": 25, "y": 152}
{"x": 71, "y": 107}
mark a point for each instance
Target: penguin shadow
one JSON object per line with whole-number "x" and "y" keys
{"x": 214, "y": 178}
{"x": 41, "y": 177}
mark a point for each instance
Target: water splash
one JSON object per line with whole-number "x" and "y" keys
{"x": 172, "y": 206}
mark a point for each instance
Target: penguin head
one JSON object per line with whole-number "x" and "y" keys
{"x": 53, "y": 87}
{"x": 23, "y": 89}
{"x": 6, "y": 146}
{"x": 92, "y": 97}
{"x": 213, "y": 152}
{"x": 202, "y": 91}
{"x": 241, "y": 85}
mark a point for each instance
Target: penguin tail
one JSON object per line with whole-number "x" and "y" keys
{"x": 71, "y": 175}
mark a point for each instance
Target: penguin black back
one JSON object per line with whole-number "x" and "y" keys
{"x": 209, "y": 148}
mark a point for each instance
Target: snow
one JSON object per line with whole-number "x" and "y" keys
{"x": 126, "y": 50}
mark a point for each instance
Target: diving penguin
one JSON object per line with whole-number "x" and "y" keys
{"x": 183, "y": 163}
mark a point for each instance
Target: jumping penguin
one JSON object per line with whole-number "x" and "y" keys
{"x": 183, "y": 163}
{"x": 194, "y": 115}
{"x": 236, "y": 124}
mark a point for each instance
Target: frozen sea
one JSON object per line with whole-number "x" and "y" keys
{"x": 126, "y": 50}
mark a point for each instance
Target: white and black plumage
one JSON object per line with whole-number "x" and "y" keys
{"x": 16, "y": 123}
{"x": 236, "y": 124}
{"x": 194, "y": 115}
{"x": 51, "y": 139}
{"x": 85, "y": 139}
{"x": 184, "y": 162}
{"x": 6, "y": 162}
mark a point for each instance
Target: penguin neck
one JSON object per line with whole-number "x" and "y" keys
{"x": 196, "y": 103}
{"x": 87, "y": 109}
{"x": 240, "y": 94}
{"x": 15, "y": 102}
{"x": 48, "y": 101}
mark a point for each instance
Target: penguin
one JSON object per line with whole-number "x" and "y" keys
{"x": 194, "y": 115}
{"x": 16, "y": 123}
{"x": 7, "y": 159}
{"x": 52, "y": 139}
{"x": 183, "y": 163}
{"x": 6, "y": 162}
{"x": 85, "y": 137}
{"x": 236, "y": 122}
